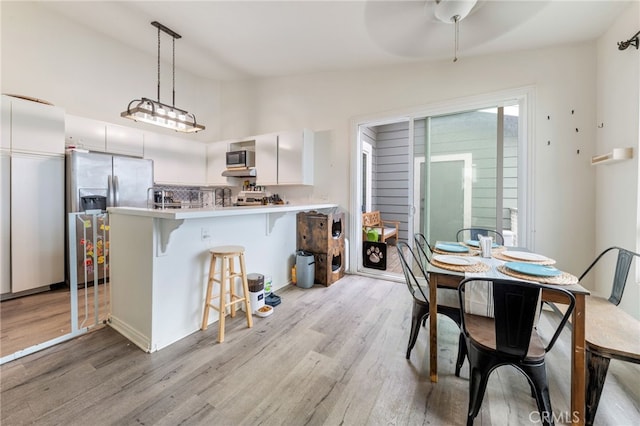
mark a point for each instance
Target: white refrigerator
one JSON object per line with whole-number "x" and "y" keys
{"x": 96, "y": 181}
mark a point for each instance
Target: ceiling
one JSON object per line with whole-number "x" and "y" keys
{"x": 231, "y": 40}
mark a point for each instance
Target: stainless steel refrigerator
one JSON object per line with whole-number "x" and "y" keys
{"x": 96, "y": 181}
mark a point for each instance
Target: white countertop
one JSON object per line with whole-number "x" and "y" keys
{"x": 217, "y": 211}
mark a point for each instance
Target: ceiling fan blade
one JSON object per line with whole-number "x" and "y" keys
{"x": 404, "y": 28}
{"x": 410, "y": 29}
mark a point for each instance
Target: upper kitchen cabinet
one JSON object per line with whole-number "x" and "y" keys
{"x": 124, "y": 140}
{"x": 176, "y": 161}
{"x": 284, "y": 158}
{"x": 85, "y": 133}
{"x": 217, "y": 163}
{"x": 35, "y": 126}
{"x": 295, "y": 158}
{"x": 100, "y": 136}
{"x": 266, "y": 147}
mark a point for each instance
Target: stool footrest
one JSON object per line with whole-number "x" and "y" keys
{"x": 229, "y": 277}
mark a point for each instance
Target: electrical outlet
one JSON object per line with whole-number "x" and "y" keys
{"x": 205, "y": 234}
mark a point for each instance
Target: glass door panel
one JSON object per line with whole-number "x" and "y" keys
{"x": 470, "y": 178}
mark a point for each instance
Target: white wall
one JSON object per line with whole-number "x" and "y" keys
{"x": 617, "y": 185}
{"x": 47, "y": 56}
{"x": 564, "y": 78}
{"x": 50, "y": 57}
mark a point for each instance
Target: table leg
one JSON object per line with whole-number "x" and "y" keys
{"x": 433, "y": 328}
{"x": 578, "y": 368}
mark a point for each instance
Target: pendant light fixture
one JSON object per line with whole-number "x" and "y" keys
{"x": 449, "y": 11}
{"x": 155, "y": 112}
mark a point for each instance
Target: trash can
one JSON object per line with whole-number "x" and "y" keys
{"x": 305, "y": 269}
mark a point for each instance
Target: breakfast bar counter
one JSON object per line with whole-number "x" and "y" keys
{"x": 219, "y": 211}
{"x": 159, "y": 262}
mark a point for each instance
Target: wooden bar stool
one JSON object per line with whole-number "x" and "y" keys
{"x": 227, "y": 276}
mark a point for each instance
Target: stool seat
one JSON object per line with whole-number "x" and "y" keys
{"x": 226, "y": 279}
{"x": 226, "y": 250}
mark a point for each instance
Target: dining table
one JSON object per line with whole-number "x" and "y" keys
{"x": 443, "y": 275}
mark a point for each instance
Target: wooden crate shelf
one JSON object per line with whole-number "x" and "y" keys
{"x": 323, "y": 235}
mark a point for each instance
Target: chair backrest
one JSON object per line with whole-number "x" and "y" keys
{"x": 371, "y": 218}
{"x": 408, "y": 259}
{"x": 473, "y": 233}
{"x": 515, "y": 307}
{"x": 423, "y": 248}
{"x": 621, "y": 273}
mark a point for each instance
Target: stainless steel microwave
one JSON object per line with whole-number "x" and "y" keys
{"x": 241, "y": 159}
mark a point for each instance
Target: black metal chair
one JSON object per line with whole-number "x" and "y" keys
{"x": 509, "y": 338}
{"x": 598, "y": 354}
{"x": 419, "y": 289}
{"x": 623, "y": 265}
{"x": 424, "y": 248}
{"x": 425, "y": 252}
{"x": 473, "y": 233}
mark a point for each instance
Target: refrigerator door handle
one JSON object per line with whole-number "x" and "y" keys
{"x": 109, "y": 191}
{"x": 116, "y": 192}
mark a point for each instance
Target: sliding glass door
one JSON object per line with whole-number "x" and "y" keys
{"x": 471, "y": 176}
{"x": 453, "y": 167}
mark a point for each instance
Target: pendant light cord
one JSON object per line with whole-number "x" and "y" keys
{"x": 158, "y": 64}
{"x": 173, "y": 68}
{"x": 174, "y": 72}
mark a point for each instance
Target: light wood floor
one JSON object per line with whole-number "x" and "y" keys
{"x": 327, "y": 356}
{"x": 37, "y": 318}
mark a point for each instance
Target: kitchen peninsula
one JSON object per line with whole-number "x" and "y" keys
{"x": 160, "y": 262}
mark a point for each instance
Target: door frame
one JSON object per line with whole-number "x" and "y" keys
{"x": 525, "y": 96}
{"x": 368, "y": 150}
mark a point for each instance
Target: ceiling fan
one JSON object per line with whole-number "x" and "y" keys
{"x": 429, "y": 28}
{"x": 453, "y": 11}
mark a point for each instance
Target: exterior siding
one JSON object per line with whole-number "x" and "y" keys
{"x": 392, "y": 166}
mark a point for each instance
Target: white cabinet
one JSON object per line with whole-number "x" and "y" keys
{"x": 216, "y": 163}
{"x": 284, "y": 158}
{"x": 266, "y": 147}
{"x": 85, "y": 133}
{"x": 37, "y": 221}
{"x": 176, "y": 161}
{"x": 5, "y": 220}
{"x": 295, "y": 158}
{"x": 100, "y": 136}
{"x": 5, "y": 140}
{"x": 32, "y": 185}
{"x": 124, "y": 140}
{"x": 36, "y": 127}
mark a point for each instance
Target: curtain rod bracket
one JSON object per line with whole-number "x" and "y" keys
{"x": 633, "y": 41}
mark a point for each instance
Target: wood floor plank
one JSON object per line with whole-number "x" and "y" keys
{"x": 327, "y": 356}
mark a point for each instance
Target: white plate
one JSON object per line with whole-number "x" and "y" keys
{"x": 525, "y": 255}
{"x": 456, "y": 260}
